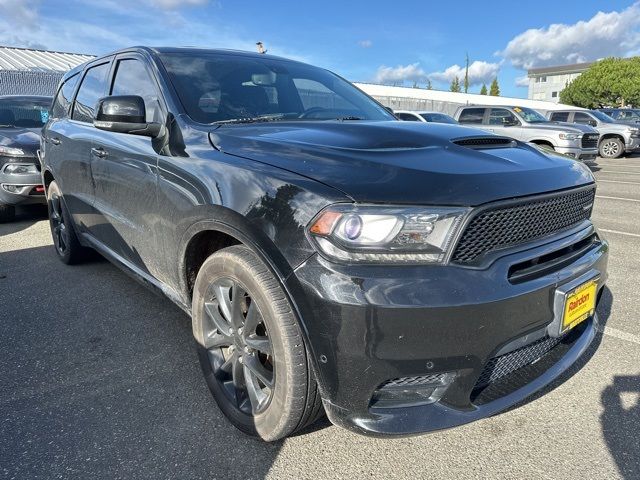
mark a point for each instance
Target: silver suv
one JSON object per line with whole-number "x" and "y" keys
{"x": 616, "y": 138}
{"x": 527, "y": 125}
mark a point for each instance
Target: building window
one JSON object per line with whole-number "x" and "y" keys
{"x": 554, "y": 94}
{"x": 541, "y": 79}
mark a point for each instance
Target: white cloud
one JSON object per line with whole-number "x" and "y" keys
{"x": 522, "y": 81}
{"x": 412, "y": 72}
{"x": 365, "y": 43}
{"x": 605, "y": 34}
{"x": 479, "y": 72}
{"x": 173, "y": 4}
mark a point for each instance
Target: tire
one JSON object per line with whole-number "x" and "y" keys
{"x": 611, "y": 148}
{"x": 247, "y": 346}
{"x": 7, "y": 213}
{"x": 65, "y": 240}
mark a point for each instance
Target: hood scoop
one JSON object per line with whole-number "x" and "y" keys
{"x": 478, "y": 143}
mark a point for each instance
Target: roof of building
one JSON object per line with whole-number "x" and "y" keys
{"x": 559, "y": 69}
{"x": 27, "y": 59}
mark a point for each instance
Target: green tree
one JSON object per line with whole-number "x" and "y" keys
{"x": 455, "y": 85}
{"x": 607, "y": 83}
{"x": 466, "y": 76}
{"x": 483, "y": 90}
{"x": 429, "y": 86}
{"x": 494, "y": 89}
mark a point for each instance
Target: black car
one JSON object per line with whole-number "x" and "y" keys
{"x": 399, "y": 278}
{"x": 21, "y": 119}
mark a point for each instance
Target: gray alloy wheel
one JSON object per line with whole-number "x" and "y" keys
{"x": 611, "y": 148}
{"x": 251, "y": 348}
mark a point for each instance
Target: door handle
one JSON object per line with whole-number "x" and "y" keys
{"x": 55, "y": 141}
{"x": 99, "y": 152}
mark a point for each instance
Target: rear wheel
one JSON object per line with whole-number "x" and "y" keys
{"x": 7, "y": 213}
{"x": 250, "y": 346}
{"x": 611, "y": 148}
{"x": 65, "y": 241}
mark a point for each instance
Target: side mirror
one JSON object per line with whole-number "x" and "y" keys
{"x": 593, "y": 123}
{"x": 510, "y": 122}
{"x": 125, "y": 114}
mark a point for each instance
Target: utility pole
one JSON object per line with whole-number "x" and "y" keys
{"x": 466, "y": 76}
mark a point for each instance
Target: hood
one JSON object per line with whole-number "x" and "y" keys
{"x": 27, "y": 139}
{"x": 403, "y": 162}
{"x": 566, "y": 127}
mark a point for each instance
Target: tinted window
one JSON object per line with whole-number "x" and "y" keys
{"x": 560, "y": 117}
{"x": 65, "y": 95}
{"x": 471, "y": 115}
{"x": 26, "y": 112}
{"x": 132, "y": 78}
{"x": 603, "y": 117}
{"x": 91, "y": 90}
{"x": 217, "y": 87}
{"x": 407, "y": 117}
{"x": 582, "y": 118}
{"x": 501, "y": 116}
{"x": 438, "y": 118}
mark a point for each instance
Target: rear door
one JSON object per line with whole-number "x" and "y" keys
{"x": 124, "y": 168}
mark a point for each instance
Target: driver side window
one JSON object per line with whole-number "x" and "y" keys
{"x": 132, "y": 78}
{"x": 500, "y": 116}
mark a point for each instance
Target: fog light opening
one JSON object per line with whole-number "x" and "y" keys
{"x": 412, "y": 391}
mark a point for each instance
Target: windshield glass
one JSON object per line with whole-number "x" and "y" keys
{"x": 603, "y": 117}
{"x": 438, "y": 118}
{"x": 24, "y": 112}
{"x": 218, "y": 87}
{"x": 529, "y": 115}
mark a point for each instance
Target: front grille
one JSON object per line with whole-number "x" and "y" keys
{"x": 414, "y": 381}
{"x": 522, "y": 221}
{"x": 590, "y": 140}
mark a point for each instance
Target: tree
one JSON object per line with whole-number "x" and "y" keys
{"x": 494, "y": 89}
{"x": 607, "y": 83}
{"x": 455, "y": 85}
{"x": 466, "y": 76}
{"x": 483, "y": 90}
{"x": 429, "y": 86}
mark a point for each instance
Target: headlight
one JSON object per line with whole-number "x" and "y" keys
{"x": 634, "y": 132}
{"x": 20, "y": 169}
{"x": 15, "y": 152}
{"x": 570, "y": 136}
{"x": 376, "y": 234}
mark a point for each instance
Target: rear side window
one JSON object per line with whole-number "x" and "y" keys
{"x": 471, "y": 115}
{"x": 560, "y": 117}
{"x": 132, "y": 78}
{"x": 91, "y": 90}
{"x": 63, "y": 99}
{"x": 501, "y": 116}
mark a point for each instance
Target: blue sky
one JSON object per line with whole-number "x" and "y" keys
{"x": 399, "y": 42}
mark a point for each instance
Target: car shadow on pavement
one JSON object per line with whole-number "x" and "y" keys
{"x": 100, "y": 379}
{"x": 26, "y": 216}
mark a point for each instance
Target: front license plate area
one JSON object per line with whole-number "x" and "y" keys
{"x": 579, "y": 304}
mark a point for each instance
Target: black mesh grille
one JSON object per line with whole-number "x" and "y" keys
{"x": 479, "y": 142}
{"x": 524, "y": 221}
{"x": 590, "y": 140}
{"x": 413, "y": 381}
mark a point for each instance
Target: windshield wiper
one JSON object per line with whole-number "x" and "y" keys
{"x": 349, "y": 118}
{"x": 7, "y": 126}
{"x": 261, "y": 118}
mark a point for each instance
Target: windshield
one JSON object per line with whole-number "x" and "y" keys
{"x": 438, "y": 118}
{"x": 603, "y": 117}
{"x": 529, "y": 115}
{"x": 24, "y": 112}
{"x": 219, "y": 87}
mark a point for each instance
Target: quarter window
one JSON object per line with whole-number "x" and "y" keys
{"x": 63, "y": 99}
{"x": 91, "y": 89}
{"x": 471, "y": 115}
{"x": 132, "y": 78}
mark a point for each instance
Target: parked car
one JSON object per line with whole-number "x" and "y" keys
{"x": 527, "y": 125}
{"x": 21, "y": 119}
{"x": 332, "y": 258}
{"x": 615, "y": 138}
{"x": 425, "y": 116}
{"x": 627, "y": 115}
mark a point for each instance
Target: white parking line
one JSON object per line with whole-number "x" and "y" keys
{"x": 618, "y": 198}
{"x": 614, "y": 332}
{"x": 618, "y": 232}
{"x": 617, "y": 181}
{"x": 618, "y": 172}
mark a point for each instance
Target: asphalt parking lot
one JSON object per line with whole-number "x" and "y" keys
{"x": 99, "y": 379}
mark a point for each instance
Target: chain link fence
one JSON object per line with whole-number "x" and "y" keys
{"x": 29, "y": 83}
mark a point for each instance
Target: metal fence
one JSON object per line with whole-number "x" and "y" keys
{"x": 406, "y": 103}
{"x": 13, "y": 82}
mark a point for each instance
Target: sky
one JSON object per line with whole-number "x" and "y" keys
{"x": 394, "y": 42}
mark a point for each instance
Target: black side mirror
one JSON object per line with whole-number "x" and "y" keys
{"x": 510, "y": 122}
{"x": 125, "y": 114}
{"x": 593, "y": 123}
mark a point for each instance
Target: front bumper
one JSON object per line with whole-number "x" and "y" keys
{"x": 367, "y": 325}
{"x": 16, "y": 189}
{"x": 578, "y": 153}
{"x": 633, "y": 143}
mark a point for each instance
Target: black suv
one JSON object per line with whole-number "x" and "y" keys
{"x": 401, "y": 277}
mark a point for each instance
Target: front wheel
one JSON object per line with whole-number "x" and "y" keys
{"x": 251, "y": 348}
{"x": 611, "y": 148}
